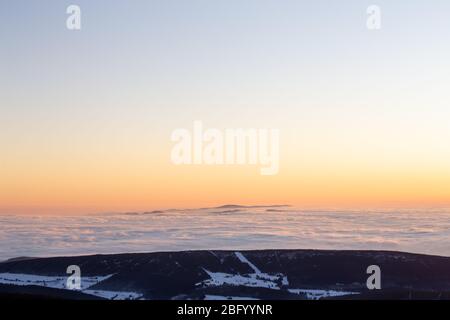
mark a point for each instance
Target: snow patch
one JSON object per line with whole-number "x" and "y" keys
{"x": 243, "y": 259}
{"x": 316, "y": 294}
{"x": 59, "y": 282}
{"x": 250, "y": 280}
{"x": 114, "y": 295}
{"x": 256, "y": 279}
{"x": 215, "y": 297}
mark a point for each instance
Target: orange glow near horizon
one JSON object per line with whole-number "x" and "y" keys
{"x": 120, "y": 187}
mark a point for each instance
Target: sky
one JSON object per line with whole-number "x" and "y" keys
{"x": 86, "y": 116}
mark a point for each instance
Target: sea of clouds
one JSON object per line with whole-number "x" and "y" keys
{"x": 419, "y": 231}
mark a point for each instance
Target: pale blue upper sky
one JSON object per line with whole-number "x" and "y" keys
{"x": 181, "y": 57}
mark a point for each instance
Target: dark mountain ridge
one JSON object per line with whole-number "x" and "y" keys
{"x": 262, "y": 274}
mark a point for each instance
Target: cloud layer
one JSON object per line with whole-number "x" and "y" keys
{"x": 238, "y": 229}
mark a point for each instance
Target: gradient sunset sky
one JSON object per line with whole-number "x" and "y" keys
{"x": 86, "y": 116}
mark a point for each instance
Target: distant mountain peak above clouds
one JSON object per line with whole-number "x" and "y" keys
{"x": 236, "y": 206}
{"x": 225, "y": 206}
